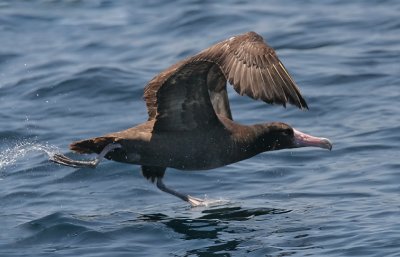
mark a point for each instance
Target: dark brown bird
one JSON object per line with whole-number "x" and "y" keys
{"x": 190, "y": 125}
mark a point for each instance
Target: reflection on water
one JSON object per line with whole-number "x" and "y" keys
{"x": 213, "y": 224}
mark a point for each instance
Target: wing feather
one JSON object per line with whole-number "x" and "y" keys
{"x": 245, "y": 61}
{"x": 240, "y": 58}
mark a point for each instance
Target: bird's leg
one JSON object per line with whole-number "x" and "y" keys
{"x": 190, "y": 199}
{"x": 64, "y": 160}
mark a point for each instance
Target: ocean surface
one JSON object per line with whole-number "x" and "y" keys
{"x": 70, "y": 70}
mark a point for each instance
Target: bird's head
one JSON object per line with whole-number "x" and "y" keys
{"x": 279, "y": 135}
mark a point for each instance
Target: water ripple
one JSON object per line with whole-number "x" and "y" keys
{"x": 70, "y": 70}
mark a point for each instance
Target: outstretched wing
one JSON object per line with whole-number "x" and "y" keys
{"x": 254, "y": 69}
{"x": 189, "y": 94}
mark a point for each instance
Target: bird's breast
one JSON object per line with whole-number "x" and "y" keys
{"x": 184, "y": 150}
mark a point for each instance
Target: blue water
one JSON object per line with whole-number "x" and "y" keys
{"x": 76, "y": 69}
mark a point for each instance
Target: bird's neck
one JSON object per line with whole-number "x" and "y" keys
{"x": 247, "y": 140}
{"x": 252, "y": 139}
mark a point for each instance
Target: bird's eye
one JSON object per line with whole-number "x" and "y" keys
{"x": 287, "y": 132}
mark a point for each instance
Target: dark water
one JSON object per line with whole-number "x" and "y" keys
{"x": 76, "y": 69}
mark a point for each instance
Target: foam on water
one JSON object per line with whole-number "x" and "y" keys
{"x": 21, "y": 148}
{"x": 207, "y": 202}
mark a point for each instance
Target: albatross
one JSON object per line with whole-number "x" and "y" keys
{"x": 190, "y": 124}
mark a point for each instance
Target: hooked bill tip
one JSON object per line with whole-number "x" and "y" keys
{"x": 304, "y": 140}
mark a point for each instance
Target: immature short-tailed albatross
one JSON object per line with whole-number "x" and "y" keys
{"x": 190, "y": 125}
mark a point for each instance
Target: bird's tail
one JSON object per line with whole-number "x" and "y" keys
{"x": 93, "y": 145}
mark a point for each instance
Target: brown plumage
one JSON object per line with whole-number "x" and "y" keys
{"x": 190, "y": 124}
{"x": 245, "y": 61}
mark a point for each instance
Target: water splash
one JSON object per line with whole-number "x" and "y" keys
{"x": 208, "y": 202}
{"x": 20, "y": 149}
